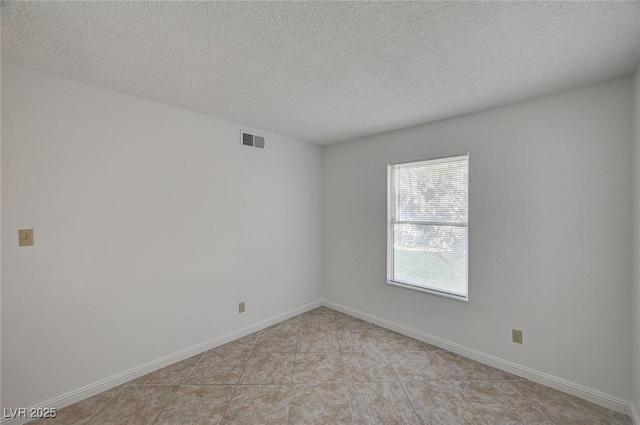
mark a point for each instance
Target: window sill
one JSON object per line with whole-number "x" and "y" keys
{"x": 428, "y": 291}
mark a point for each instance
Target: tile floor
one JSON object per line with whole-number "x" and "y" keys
{"x": 324, "y": 367}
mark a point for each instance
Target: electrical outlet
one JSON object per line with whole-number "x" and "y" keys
{"x": 241, "y": 307}
{"x": 25, "y": 237}
{"x": 516, "y": 336}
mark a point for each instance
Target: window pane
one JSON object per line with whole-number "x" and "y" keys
{"x": 432, "y": 191}
{"x": 433, "y": 257}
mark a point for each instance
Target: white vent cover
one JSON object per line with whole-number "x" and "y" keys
{"x": 251, "y": 140}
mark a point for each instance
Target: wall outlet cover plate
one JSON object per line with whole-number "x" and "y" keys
{"x": 25, "y": 237}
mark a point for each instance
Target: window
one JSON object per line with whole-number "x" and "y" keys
{"x": 428, "y": 203}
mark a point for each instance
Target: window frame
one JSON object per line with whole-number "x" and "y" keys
{"x": 390, "y": 229}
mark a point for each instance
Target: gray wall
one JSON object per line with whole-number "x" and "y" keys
{"x": 549, "y": 237}
{"x": 635, "y": 320}
{"x": 151, "y": 224}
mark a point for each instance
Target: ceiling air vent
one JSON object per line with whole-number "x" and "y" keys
{"x": 251, "y": 140}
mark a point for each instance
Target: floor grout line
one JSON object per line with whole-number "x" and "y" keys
{"x": 175, "y": 392}
{"x": 293, "y": 368}
{"x": 522, "y": 396}
{"x": 415, "y": 412}
{"x": 346, "y": 385}
{"x": 105, "y": 406}
{"x": 188, "y": 375}
{"x": 235, "y": 388}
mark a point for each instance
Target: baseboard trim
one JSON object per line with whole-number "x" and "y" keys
{"x": 136, "y": 372}
{"x": 635, "y": 418}
{"x": 568, "y": 387}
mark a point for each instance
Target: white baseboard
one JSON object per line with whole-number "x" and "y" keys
{"x": 634, "y": 415}
{"x": 589, "y": 394}
{"x": 113, "y": 381}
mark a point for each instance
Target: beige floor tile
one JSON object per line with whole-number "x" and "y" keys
{"x": 500, "y": 404}
{"x": 317, "y": 322}
{"x": 367, "y": 367}
{"x": 351, "y": 324}
{"x": 378, "y": 331}
{"x": 318, "y": 342}
{"x": 442, "y": 403}
{"x": 174, "y": 374}
{"x": 244, "y": 344}
{"x": 324, "y": 311}
{"x": 358, "y": 342}
{"x": 279, "y": 343}
{"x": 268, "y": 368}
{"x": 619, "y": 419}
{"x": 197, "y": 405}
{"x": 218, "y": 368}
{"x": 398, "y": 342}
{"x": 320, "y": 404}
{"x": 288, "y": 327}
{"x": 430, "y": 347}
{"x": 325, "y": 367}
{"x": 79, "y": 413}
{"x": 414, "y": 365}
{"x": 318, "y": 367}
{"x": 135, "y": 405}
{"x": 452, "y": 367}
{"x": 112, "y": 392}
{"x": 382, "y": 403}
{"x": 337, "y": 315}
{"x": 346, "y": 332}
{"x": 508, "y": 376}
{"x": 258, "y": 404}
{"x": 563, "y": 408}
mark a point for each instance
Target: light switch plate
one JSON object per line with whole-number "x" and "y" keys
{"x": 25, "y": 237}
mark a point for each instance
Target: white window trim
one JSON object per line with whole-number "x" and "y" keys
{"x": 391, "y": 214}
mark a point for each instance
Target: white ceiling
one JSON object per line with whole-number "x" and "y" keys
{"x": 327, "y": 72}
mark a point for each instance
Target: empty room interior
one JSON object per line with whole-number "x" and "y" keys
{"x": 320, "y": 213}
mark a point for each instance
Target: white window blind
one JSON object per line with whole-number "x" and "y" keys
{"x": 428, "y": 225}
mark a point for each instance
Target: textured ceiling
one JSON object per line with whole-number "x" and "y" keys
{"x": 326, "y": 72}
